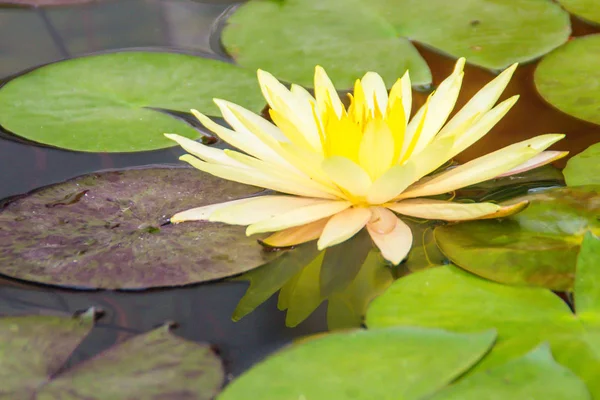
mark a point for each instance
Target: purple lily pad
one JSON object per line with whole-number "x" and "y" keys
{"x": 110, "y": 230}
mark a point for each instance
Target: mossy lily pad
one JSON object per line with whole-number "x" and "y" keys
{"x": 452, "y": 299}
{"x": 152, "y": 365}
{"x": 537, "y": 246}
{"x": 111, "y": 102}
{"x": 349, "y": 38}
{"x": 584, "y": 168}
{"x": 587, "y": 10}
{"x": 110, "y": 230}
{"x": 566, "y": 78}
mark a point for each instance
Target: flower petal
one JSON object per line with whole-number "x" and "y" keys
{"x": 245, "y": 121}
{"x": 375, "y": 91}
{"x": 394, "y": 242}
{"x": 393, "y": 182}
{"x": 204, "y": 212}
{"x": 297, "y": 235}
{"x": 348, "y": 175}
{"x": 482, "y": 168}
{"x": 376, "y": 151}
{"x": 443, "y": 210}
{"x": 545, "y": 157}
{"x": 483, "y": 100}
{"x": 325, "y": 93}
{"x": 343, "y": 225}
{"x": 401, "y": 90}
{"x": 206, "y": 153}
{"x": 260, "y": 208}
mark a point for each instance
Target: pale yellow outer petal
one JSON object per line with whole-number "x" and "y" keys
{"x": 545, "y": 157}
{"x": 348, "y": 175}
{"x": 442, "y": 210}
{"x": 406, "y": 87}
{"x": 260, "y": 208}
{"x": 342, "y": 226}
{"x": 375, "y": 91}
{"x": 206, "y": 153}
{"x": 394, "y": 240}
{"x": 299, "y": 216}
{"x": 204, "y": 212}
{"x": 325, "y": 92}
{"x": 482, "y": 168}
{"x": 297, "y": 235}
{"x": 481, "y": 102}
{"x": 244, "y": 120}
{"x": 393, "y": 182}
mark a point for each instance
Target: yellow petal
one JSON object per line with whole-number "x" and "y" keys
{"x": 297, "y": 235}
{"x": 545, "y": 157}
{"x": 402, "y": 91}
{"x": 342, "y": 226}
{"x": 443, "y": 210}
{"x": 206, "y": 153}
{"x": 204, "y": 212}
{"x": 375, "y": 91}
{"x": 299, "y": 216}
{"x": 244, "y": 120}
{"x": 259, "y": 208}
{"x": 325, "y": 93}
{"x": 393, "y": 182}
{"x": 394, "y": 242}
{"x": 413, "y": 131}
{"x": 483, "y": 168}
{"x": 376, "y": 150}
{"x": 482, "y": 101}
{"x": 347, "y": 175}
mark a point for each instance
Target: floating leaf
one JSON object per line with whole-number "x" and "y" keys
{"x": 109, "y": 230}
{"x": 565, "y": 78}
{"x": 538, "y": 246}
{"x": 406, "y": 363}
{"x": 491, "y": 34}
{"x": 584, "y": 168}
{"x": 346, "y": 37}
{"x": 585, "y": 9}
{"x": 153, "y": 365}
{"x": 112, "y": 102}
{"x": 449, "y": 298}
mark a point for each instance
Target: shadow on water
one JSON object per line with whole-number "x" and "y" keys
{"x": 203, "y": 312}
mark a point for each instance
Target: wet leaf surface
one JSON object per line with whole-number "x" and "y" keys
{"x": 109, "y": 230}
{"x": 112, "y": 102}
{"x": 538, "y": 246}
{"x": 565, "y": 78}
{"x": 450, "y": 298}
{"x": 584, "y": 168}
{"x": 406, "y": 363}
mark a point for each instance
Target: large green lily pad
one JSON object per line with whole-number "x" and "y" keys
{"x": 349, "y": 38}
{"x": 382, "y": 364}
{"x": 584, "y": 168}
{"x": 110, "y": 230}
{"x": 565, "y": 78}
{"x": 153, "y": 365}
{"x": 450, "y": 298}
{"x": 585, "y": 9}
{"x": 538, "y": 246}
{"x": 112, "y": 102}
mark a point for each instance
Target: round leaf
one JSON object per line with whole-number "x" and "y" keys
{"x": 112, "y": 102}
{"x": 538, "y": 246}
{"x": 109, "y": 230}
{"x": 586, "y": 9}
{"x": 344, "y": 36}
{"x": 405, "y": 363}
{"x": 565, "y": 78}
{"x": 584, "y": 168}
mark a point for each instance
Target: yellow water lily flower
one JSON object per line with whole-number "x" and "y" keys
{"x": 340, "y": 169}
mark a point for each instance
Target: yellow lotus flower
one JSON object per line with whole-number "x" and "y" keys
{"x": 343, "y": 169}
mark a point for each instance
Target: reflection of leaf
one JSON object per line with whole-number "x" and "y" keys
{"x": 107, "y": 230}
{"x": 404, "y": 363}
{"x": 105, "y": 103}
{"x": 153, "y": 365}
{"x": 565, "y": 78}
{"x": 350, "y": 37}
{"x": 584, "y": 168}
{"x": 537, "y": 246}
{"x": 452, "y": 299}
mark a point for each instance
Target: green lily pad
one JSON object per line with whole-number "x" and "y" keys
{"x": 396, "y": 363}
{"x": 565, "y": 78}
{"x": 450, "y": 298}
{"x": 491, "y": 34}
{"x": 110, "y": 230}
{"x": 346, "y": 37}
{"x": 153, "y": 365}
{"x": 112, "y": 102}
{"x": 584, "y": 168}
{"x": 585, "y": 9}
{"x": 538, "y": 246}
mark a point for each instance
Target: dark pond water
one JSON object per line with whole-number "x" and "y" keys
{"x": 30, "y": 37}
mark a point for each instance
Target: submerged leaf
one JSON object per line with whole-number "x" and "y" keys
{"x": 110, "y": 230}
{"x": 584, "y": 168}
{"x": 114, "y": 102}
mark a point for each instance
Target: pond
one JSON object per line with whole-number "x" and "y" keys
{"x": 33, "y": 36}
